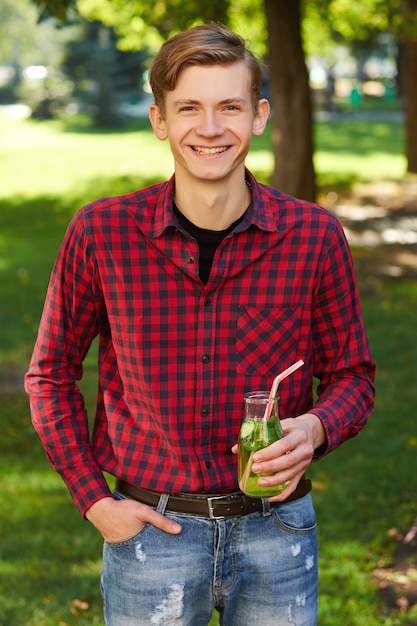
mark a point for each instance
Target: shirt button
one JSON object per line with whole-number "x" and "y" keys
{"x": 207, "y": 302}
{"x": 190, "y": 259}
{"x": 205, "y": 358}
{"x": 204, "y": 412}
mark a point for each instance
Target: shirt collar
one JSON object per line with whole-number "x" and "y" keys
{"x": 259, "y": 213}
{"x": 164, "y": 212}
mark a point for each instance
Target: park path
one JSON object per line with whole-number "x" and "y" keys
{"x": 380, "y": 218}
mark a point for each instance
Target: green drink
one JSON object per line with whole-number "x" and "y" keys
{"x": 257, "y": 433}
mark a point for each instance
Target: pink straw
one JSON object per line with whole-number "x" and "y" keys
{"x": 275, "y": 384}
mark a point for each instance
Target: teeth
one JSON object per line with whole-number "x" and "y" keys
{"x": 202, "y": 150}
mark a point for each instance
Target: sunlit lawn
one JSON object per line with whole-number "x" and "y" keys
{"x": 359, "y": 150}
{"x": 49, "y": 558}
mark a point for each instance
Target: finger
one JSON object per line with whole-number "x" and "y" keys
{"x": 285, "y": 493}
{"x": 287, "y": 467}
{"x": 279, "y": 478}
{"x": 160, "y": 521}
{"x": 273, "y": 463}
{"x": 275, "y": 450}
{"x": 289, "y": 489}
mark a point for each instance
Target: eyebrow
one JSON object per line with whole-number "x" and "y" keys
{"x": 236, "y": 100}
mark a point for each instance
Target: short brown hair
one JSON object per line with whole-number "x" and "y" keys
{"x": 206, "y": 44}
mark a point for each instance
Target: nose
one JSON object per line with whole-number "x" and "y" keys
{"x": 209, "y": 124}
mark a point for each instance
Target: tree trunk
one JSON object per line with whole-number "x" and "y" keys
{"x": 291, "y": 101}
{"x": 410, "y": 84}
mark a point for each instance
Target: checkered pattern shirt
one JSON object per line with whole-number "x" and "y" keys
{"x": 176, "y": 356}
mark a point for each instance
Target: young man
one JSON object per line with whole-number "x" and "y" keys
{"x": 201, "y": 288}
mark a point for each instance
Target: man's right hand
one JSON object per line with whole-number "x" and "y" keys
{"x": 118, "y": 520}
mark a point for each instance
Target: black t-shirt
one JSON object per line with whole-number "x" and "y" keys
{"x": 208, "y": 241}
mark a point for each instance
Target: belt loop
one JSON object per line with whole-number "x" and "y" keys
{"x": 162, "y": 504}
{"x": 266, "y": 507}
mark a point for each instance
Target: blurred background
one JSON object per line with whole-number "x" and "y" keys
{"x": 74, "y": 95}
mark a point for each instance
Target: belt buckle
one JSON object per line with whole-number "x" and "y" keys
{"x": 211, "y": 508}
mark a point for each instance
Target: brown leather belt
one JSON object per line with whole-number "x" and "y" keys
{"x": 210, "y": 506}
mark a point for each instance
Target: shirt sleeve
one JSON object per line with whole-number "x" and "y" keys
{"x": 342, "y": 357}
{"x": 69, "y": 323}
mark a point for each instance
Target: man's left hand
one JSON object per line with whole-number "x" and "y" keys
{"x": 289, "y": 458}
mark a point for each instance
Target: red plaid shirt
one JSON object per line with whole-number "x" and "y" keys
{"x": 176, "y": 356}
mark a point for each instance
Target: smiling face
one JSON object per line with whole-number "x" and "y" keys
{"x": 209, "y": 121}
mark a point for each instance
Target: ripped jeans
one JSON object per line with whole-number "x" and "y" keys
{"x": 257, "y": 569}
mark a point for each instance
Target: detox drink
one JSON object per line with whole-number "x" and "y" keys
{"x": 256, "y": 433}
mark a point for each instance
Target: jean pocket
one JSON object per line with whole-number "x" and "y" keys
{"x": 125, "y": 543}
{"x": 297, "y": 516}
{"x": 133, "y": 538}
{"x": 266, "y": 339}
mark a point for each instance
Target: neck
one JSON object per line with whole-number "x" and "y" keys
{"x": 210, "y": 205}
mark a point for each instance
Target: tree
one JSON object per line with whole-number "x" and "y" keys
{"x": 103, "y": 76}
{"x": 362, "y": 21}
{"x": 54, "y": 8}
{"x": 409, "y": 38}
{"x": 21, "y": 43}
{"x": 140, "y": 24}
{"x": 291, "y": 101}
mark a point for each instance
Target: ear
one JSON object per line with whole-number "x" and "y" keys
{"x": 261, "y": 117}
{"x": 158, "y": 122}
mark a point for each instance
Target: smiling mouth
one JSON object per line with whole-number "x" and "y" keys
{"x": 209, "y": 151}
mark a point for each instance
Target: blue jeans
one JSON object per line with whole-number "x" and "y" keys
{"x": 257, "y": 569}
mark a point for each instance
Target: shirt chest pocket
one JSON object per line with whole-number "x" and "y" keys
{"x": 267, "y": 340}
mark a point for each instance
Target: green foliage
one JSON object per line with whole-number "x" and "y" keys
{"x": 23, "y": 41}
{"x": 316, "y": 30}
{"x": 103, "y": 76}
{"x": 141, "y": 24}
{"x": 15, "y": 17}
{"x": 247, "y": 17}
{"x": 54, "y": 8}
{"x": 360, "y": 20}
{"x": 346, "y": 21}
{"x": 46, "y": 98}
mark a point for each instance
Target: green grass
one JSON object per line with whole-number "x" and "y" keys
{"x": 49, "y": 558}
{"x": 350, "y": 151}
